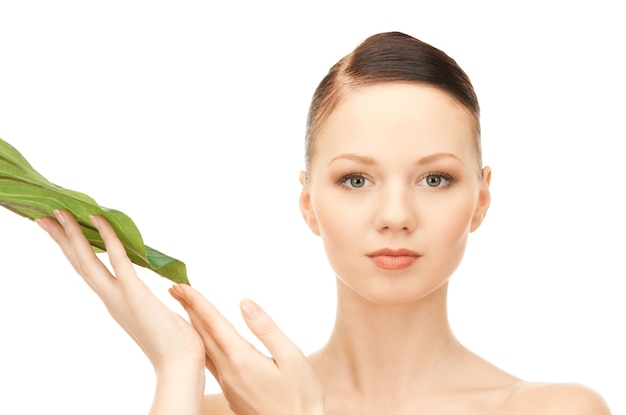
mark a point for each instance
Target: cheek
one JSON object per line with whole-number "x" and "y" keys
{"x": 455, "y": 224}
{"x": 449, "y": 229}
{"x": 334, "y": 223}
{"x": 341, "y": 228}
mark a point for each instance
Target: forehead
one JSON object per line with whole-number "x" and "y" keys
{"x": 402, "y": 116}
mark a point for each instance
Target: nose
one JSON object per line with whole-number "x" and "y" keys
{"x": 396, "y": 210}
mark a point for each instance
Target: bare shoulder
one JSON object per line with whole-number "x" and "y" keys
{"x": 216, "y": 405}
{"x": 556, "y": 398}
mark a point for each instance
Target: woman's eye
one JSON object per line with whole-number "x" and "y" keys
{"x": 355, "y": 181}
{"x": 436, "y": 180}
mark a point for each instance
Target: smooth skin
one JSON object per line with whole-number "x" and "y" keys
{"x": 410, "y": 150}
{"x": 394, "y": 167}
{"x": 173, "y": 346}
{"x": 179, "y": 350}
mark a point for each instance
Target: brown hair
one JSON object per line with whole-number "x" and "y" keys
{"x": 390, "y": 57}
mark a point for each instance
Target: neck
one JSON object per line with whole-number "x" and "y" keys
{"x": 376, "y": 346}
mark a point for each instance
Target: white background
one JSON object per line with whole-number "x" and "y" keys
{"x": 189, "y": 117}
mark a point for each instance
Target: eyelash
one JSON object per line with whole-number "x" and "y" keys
{"x": 449, "y": 179}
{"x": 345, "y": 177}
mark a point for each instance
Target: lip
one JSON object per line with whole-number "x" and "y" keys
{"x": 393, "y": 259}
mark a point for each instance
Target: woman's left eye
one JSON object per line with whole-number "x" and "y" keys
{"x": 436, "y": 180}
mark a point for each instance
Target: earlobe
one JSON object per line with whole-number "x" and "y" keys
{"x": 484, "y": 199}
{"x": 305, "y": 206}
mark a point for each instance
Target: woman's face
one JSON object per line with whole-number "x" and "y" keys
{"x": 394, "y": 190}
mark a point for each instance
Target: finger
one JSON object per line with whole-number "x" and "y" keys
{"x": 122, "y": 265}
{"x": 263, "y": 327}
{"x": 89, "y": 266}
{"x": 209, "y": 365}
{"x": 206, "y": 317}
{"x": 213, "y": 351}
{"x": 57, "y": 233}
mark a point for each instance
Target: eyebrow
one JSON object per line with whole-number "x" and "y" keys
{"x": 435, "y": 157}
{"x": 420, "y": 162}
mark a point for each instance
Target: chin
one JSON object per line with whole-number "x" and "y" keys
{"x": 396, "y": 293}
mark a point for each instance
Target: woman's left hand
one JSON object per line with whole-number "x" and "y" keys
{"x": 253, "y": 383}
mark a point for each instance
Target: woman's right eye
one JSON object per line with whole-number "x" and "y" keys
{"x": 354, "y": 181}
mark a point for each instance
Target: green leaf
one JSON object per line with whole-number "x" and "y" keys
{"x": 26, "y": 192}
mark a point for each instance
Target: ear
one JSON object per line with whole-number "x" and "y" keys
{"x": 305, "y": 205}
{"x": 484, "y": 198}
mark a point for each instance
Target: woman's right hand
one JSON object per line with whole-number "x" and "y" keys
{"x": 167, "y": 339}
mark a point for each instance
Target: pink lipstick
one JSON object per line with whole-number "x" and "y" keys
{"x": 393, "y": 259}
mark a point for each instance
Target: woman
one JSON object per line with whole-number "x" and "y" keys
{"x": 394, "y": 184}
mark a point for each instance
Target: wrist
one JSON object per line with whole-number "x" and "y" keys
{"x": 179, "y": 389}
{"x": 185, "y": 376}
{"x": 181, "y": 363}
{"x": 184, "y": 369}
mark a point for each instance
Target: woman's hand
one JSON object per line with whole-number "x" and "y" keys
{"x": 253, "y": 383}
{"x": 173, "y": 346}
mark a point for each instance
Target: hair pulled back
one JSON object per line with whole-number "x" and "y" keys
{"x": 389, "y": 57}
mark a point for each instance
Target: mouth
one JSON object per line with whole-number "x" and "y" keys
{"x": 393, "y": 259}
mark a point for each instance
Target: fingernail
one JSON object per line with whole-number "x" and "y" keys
{"x": 41, "y": 223}
{"x": 59, "y": 215}
{"x": 178, "y": 291}
{"x": 249, "y": 308}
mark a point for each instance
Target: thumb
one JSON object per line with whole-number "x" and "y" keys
{"x": 263, "y": 327}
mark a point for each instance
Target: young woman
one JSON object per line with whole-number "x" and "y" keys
{"x": 394, "y": 184}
